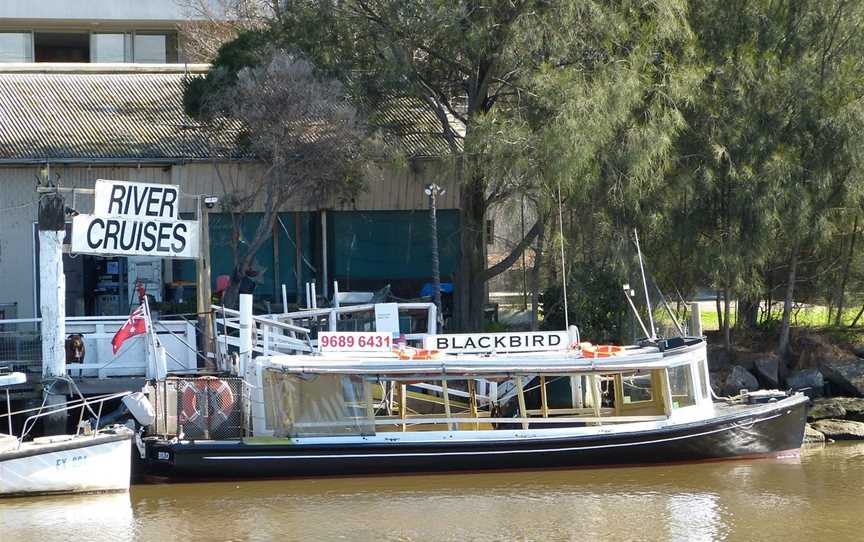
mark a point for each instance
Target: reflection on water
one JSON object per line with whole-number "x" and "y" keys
{"x": 58, "y": 518}
{"x": 818, "y": 497}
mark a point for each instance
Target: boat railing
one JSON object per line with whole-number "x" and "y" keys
{"x": 270, "y": 337}
{"x": 421, "y": 319}
{"x": 92, "y": 404}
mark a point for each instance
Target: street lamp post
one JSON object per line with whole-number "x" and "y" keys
{"x": 433, "y": 191}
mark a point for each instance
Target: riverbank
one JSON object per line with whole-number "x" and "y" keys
{"x": 827, "y": 364}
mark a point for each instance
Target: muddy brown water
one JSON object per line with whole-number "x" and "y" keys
{"x": 819, "y": 496}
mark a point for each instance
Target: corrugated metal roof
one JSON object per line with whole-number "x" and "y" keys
{"x": 129, "y": 113}
{"x": 100, "y": 117}
{"x": 414, "y": 128}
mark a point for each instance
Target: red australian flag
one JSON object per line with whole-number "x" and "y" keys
{"x": 135, "y": 325}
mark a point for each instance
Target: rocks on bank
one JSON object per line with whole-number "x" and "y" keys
{"x": 837, "y": 418}
{"x": 839, "y": 429}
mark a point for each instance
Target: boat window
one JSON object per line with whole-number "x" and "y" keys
{"x": 703, "y": 380}
{"x": 637, "y": 388}
{"x": 681, "y": 386}
{"x": 316, "y": 405}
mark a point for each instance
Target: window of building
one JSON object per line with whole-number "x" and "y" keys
{"x": 62, "y": 46}
{"x": 16, "y": 47}
{"x": 681, "y": 386}
{"x": 155, "y": 47}
{"x": 111, "y": 47}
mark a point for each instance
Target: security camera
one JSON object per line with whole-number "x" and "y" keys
{"x": 211, "y": 201}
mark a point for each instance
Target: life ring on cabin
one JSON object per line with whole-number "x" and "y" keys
{"x": 600, "y": 350}
{"x": 216, "y": 393}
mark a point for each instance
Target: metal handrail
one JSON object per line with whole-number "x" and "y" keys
{"x": 32, "y": 419}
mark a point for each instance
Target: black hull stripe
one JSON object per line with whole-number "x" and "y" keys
{"x": 490, "y": 452}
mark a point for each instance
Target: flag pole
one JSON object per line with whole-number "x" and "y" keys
{"x": 149, "y": 322}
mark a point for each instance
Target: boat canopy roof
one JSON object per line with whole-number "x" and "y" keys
{"x": 386, "y": 365}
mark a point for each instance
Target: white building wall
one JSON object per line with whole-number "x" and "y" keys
{"x": 393, "y": 189}
{"x": 92, "y": 10}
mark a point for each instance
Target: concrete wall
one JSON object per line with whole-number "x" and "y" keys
{"x": 395, "y": 189}
{"x": 86, "y": 11}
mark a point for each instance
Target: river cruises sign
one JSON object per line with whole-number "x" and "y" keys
{"x": 135, "y": 219}
{"x": 535, "y": 341}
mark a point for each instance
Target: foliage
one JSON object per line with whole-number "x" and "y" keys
{"x": 530, "y": 95}
{"x": 727, "y": 132}
{"x": 595, "y": 304}
{"x": 312, "y": 143}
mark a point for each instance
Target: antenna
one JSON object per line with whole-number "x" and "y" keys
{"x": 628, "y": 293}
{"x": 645, "y": 286}
{"x": 563, "y": 265}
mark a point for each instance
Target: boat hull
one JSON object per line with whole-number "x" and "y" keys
{"x": 767, "y": 430}
{"x": 82, "y": 465}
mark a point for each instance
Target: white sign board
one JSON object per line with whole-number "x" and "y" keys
{"x": 349, "y": 341}
{"x": 135, "y": 219}
{"x": 137, "y": 200}
{"x": 387, "y": 317}
{"x": 499, "y": 342}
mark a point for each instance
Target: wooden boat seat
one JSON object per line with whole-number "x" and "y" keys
{"x": 8, "y": 443}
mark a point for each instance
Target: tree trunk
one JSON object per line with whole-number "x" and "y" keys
{"x": 838, "y": 319}
{"x": 727, "y": 322}
{"x": 231, "y": 295}
{"x": 783, "y": 346}
{"x": 471, "y": 292}
{"x": 748, "y": 313}
{"x": 719, "y": 311}
{"x": 535, "y": 280}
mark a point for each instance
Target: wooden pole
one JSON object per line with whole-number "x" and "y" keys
{"x": 695, "y": 320}
{"x": 205, "y": 324}
{"x": 403, "y": 408}
{"x": 472, "y": 402}
{"x": 247, "y": 328}
{"x": 298, "y": 260}
{"x": 520, "y": 393}
{"x": 596, "y": 394}
{"x": 544, "y": 405}
{"x": 446, "y": 396}
{"x": 52, "y": 303}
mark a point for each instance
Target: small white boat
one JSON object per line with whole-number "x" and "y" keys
{"x": 89, "y": 461}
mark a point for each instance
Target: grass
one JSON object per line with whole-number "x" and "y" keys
{"x": 806, "y": 316}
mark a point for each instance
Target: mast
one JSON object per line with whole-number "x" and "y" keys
{"x": 645, "y": 286}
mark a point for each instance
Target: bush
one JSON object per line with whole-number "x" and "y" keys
{"x": 596, "y": 304}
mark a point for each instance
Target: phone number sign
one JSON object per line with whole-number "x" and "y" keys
{"x": 351, "y": 341}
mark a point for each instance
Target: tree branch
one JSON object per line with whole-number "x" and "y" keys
{"x": 514, "y": 255}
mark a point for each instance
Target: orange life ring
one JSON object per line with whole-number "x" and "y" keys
{"x": 416, "y": 353}
{"x": 196, "y": 392}
{"x": 600, "y": 350}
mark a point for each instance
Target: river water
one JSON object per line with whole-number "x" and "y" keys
{"x": 817, "y": 497}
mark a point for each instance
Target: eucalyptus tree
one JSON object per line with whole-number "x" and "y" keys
{"x": 525, "y": 92}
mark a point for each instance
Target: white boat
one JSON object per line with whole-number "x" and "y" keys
{"x": 88, "y": 461}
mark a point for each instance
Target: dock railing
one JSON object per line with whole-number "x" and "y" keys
{"x": 21, "y": 347}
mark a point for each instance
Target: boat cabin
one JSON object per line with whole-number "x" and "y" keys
{"x": 296, "y": 396}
